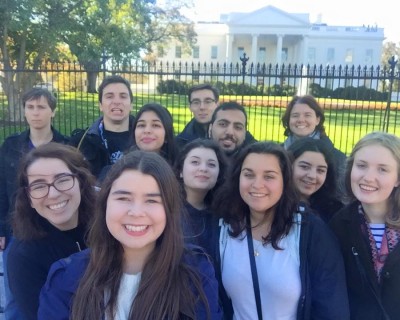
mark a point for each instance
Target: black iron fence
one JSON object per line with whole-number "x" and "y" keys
{"x": 356, "y": 99}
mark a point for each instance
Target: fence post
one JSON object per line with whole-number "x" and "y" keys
{"x": 244, "y": 62}
{"x": 392, "y": 62}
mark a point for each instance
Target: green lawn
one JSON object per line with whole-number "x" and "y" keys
{"x": 344, "y": 127}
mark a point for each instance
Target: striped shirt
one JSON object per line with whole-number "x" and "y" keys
{"x": 377, "y": 230}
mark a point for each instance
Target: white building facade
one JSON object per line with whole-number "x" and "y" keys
{"x": 272, "y": 36}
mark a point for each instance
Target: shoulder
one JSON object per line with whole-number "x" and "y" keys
{"x": 196, "y": 257}
{"x": 249, "y": 138}
{"x": 345, "y": 216}
{"x": 14, "y": 141}
{"x": 330, "y": 144}
{"x": 60, "y": 138}
{"x": 315, "y": 233}
{"x": 68, "y": 270}
{"x": 78, "y": 136}
{"x": 189, "y": 132}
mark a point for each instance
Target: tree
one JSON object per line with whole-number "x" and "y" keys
{"x": 34, "y": 30}
{"x": 29, "y": 32}
{"x": 123, "y": 30}
{"x": 390, "y": 49}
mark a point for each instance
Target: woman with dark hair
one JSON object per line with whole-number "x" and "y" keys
{"x": 315, "y": 176}
{"x": 154, "y": 131}
{"x": 200, "y": 169}
{"x": 304, "y": 117}
{"x": 137, "y": 266}
{"x": 50, "y": 220}
{"x": 368, "y": 229}
{"x": 272, "y": 254}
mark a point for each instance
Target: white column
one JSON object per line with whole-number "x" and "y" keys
{"x": 279, "y": 49}
{"x": 304, "y": 50}
{"x": 253, "y": 56}
{"x": 229, "y": 43}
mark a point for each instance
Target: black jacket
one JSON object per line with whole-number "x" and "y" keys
{"x": 12, "y": 150}
{"x": 29, "y": 262}
{"x": 323, "y": 293}
{"x": 192, "y": 131}
{"x": 365, "y": 293}
{"x": 91, "y": 145}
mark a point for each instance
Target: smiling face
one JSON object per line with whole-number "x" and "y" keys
{"x": 261, "y": 183}
{"x": 229, "y": 130}
{"x": 60, "y": 208}
{"x": 374, "y": 174}
{"x": 135, "y": 214}
{"x": 200, "y": 170}
{"x": 38, "y": 113}
{"x": 303, "y": 120}
{"x": 309, "y": 173}
{"x": 149, "y": 132}
{"x": 115, "y": 104}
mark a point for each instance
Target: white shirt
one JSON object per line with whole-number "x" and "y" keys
{"x": 278, "y": 276}
{"x": 126, "y": 294}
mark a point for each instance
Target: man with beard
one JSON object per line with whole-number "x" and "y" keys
{"x": 228, "y": 128}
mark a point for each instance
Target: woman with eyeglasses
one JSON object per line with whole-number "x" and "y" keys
{"x": 50, "y": 220}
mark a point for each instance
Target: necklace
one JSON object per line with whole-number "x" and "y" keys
{"x": 257, "y": 247}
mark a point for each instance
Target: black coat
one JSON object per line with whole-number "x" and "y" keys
{"x": 11, "y": 152}
{"x": 322, "y": 276}
{"x": 192, "y": 131}
{"x": 29, "y": 262}
{"x": 91, "y": 145}
{"x": 366, "y": 295}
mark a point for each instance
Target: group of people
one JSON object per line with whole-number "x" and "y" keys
{"x": 125, "y": 220}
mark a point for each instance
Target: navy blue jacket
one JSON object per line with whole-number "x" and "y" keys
{"x": 64, "y": 276}
{"x": 11, "y": 152}
{"x": 198, "y": 226}
{"x": 192, "y": 131}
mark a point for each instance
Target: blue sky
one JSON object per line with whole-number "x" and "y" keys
{"x": 333, "y": 12}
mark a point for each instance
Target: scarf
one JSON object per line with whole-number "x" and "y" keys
{"x": 292, "y": 138}
{"x": 390, "y": 240}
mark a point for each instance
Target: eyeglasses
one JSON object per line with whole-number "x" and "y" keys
{"x": 40, "y": 189}
{"x": 206, "y": 102}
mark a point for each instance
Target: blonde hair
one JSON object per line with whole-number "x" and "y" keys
{"x": 392, "y": 143}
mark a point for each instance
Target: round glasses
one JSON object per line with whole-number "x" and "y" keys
{"x": 38, "y": 190}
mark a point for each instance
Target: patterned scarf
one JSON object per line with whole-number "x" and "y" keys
{"x": 292, "y": 138}
{"x": 389, "y": 242}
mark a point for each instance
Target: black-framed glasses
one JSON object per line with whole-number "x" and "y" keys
{"x": 197, "y": 103}
{"x": 38, "y": 190}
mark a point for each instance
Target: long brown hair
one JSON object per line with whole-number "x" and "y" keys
{"x": 167, "y": 282}
{"x": 230, "y": 205}
{"x": 26, "y": 221}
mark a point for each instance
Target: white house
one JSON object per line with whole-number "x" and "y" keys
{"x": 270, "y": 35}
